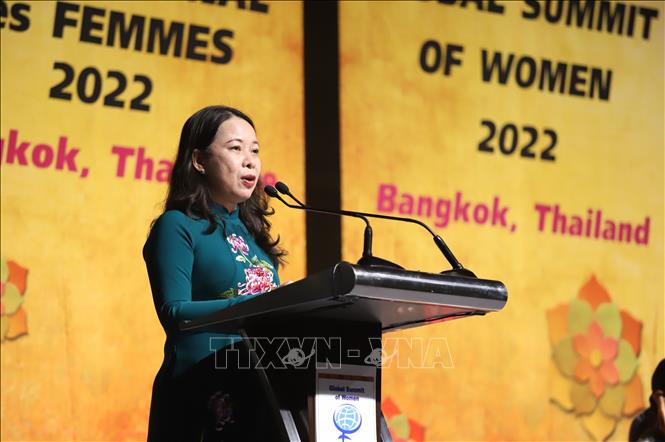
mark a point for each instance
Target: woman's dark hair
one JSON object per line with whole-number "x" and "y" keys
{"x": 658, "y": 377}
{"x": 188, "y": 191}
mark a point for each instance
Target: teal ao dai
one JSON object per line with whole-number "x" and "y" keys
{"x": 193, "y": 274}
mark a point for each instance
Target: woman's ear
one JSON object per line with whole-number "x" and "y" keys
{"x": 197, "y": 161}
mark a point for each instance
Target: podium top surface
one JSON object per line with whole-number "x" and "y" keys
{"x": 395, "y": 298}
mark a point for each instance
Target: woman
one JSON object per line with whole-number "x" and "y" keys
{"x": 649, "y": 425}
{"x": 210, "y": 249}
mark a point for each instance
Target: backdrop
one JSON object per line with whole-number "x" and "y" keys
{"x": 528, "y": 134}
{"x": 94, "y": 96}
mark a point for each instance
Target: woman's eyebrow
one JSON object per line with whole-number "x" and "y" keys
{"x": 240, "y": 140}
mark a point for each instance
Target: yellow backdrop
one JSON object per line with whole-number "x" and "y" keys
{"x": 434, "y": 125}
{"x": 80, "y": 340}
{"x": 416, "y": 142}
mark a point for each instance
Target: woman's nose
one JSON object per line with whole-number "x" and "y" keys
{"x": 249, "y": 161}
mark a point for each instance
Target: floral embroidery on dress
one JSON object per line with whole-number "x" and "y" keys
{"x": 238, "y": 244}
{"x": 221, "y": 410}
{"x": 258, "y": 279}
{"x": 258, "y": 275}
{"x": 228, "y": 293}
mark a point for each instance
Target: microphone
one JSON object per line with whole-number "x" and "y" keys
{"x": 367, "y": 258}
{"x": 457, "y": 268}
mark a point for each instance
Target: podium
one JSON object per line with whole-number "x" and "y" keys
{"x": 335, "y": 319}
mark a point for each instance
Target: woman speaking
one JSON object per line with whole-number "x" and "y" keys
{"x": 210, "y": 249}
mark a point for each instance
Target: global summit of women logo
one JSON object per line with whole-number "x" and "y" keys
{"x": 347, "y": 419}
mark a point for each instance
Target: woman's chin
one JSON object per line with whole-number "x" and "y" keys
{"x": 245, "y": 195}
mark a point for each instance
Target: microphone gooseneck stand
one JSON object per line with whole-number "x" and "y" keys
{"x": 367, "y": 258}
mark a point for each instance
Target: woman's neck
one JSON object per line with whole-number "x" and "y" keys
{"x": 230, "y": 207}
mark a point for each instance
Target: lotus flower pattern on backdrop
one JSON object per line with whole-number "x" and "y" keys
{"x": 595, "y": 347}
{"x": 402, "y": 428}
{"x": 13, "y": 284}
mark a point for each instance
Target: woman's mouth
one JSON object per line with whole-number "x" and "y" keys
{"x": 248, "y": 181}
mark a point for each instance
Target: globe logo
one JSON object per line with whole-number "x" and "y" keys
{"x": 347, "y": 419}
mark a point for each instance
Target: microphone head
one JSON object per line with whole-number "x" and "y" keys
{"x": 271, "y": 191}
{"x": 283, "y": 188}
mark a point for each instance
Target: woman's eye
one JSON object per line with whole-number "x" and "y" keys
{"x": 255, "y": 151}
{"x": 235, "y": 147}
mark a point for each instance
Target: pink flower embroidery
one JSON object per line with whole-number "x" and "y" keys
{"x": 258, "y": 279}
{"x": 238, "y": 244}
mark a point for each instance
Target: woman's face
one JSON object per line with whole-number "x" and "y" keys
{"x": 232, "y": 165}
